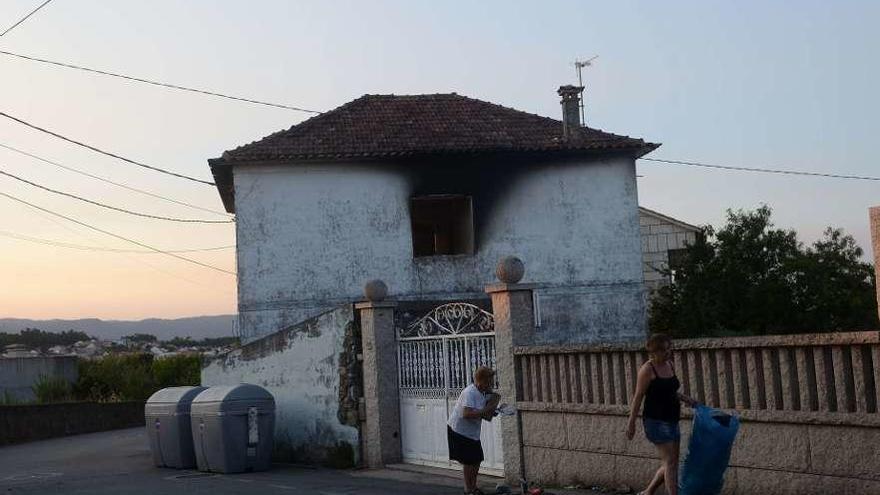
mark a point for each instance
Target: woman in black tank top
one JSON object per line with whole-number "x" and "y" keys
{"x": 657, "y": 387}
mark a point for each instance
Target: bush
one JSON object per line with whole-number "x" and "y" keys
{"x": 176, "y": 371}
{"x": 134, "y": 376}
{"x": 112, "y": 378}
{"x": 49, "y": 389}
{"x": 8, "y": 399}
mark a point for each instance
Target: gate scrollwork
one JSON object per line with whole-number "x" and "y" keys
{"x": 451, "y": 319}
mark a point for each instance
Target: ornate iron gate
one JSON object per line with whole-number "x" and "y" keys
{"x": 437, "y": 355}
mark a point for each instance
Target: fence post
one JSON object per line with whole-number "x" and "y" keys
{"x": 381, "y": 435}
{"x": 875, "y": 237}
{"x": 512, "y": 307}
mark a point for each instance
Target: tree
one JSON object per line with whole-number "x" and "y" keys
{"x": 144, "y": 338}
{"x": 34, "y": 338}
{"x": 834, "y": 288}
{"x": 752, "y": 278}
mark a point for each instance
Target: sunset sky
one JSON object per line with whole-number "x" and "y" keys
{"x": 757, "y": 84}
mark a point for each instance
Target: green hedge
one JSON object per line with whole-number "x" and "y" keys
{"x": 134, "y": 376}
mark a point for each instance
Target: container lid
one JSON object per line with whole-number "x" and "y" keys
{"x": 230, "y": 393}
{"x": 174, "y": 395}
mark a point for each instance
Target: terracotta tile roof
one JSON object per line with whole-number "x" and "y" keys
{"x": 393, "y": 125}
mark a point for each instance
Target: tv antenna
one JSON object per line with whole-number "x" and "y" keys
{"x": 579, "y": 66}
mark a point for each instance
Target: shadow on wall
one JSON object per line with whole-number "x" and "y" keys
{"x": 312, "y": 370}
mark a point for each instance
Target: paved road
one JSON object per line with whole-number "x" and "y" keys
{"x": 118, "y": 462}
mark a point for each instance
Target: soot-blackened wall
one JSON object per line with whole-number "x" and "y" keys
{"x": 309, "y": 236}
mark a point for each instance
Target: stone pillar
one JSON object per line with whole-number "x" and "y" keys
{"x": 514, "y": 314}
{"x": 875, "y": 237}
{"x": 381, "y": 432}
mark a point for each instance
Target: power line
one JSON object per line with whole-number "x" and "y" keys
{"x": 130, "y": 256}
{"x": 107, "y": 153}
{"x": 10, "y": 28}
{"x": 158, "y": 83}
{"x": 84, "y": 247}
{"x": 111, "y": 234}
{"x": 762, "y": 170}
{"x": 109, "y": 207}
{"x": 108, "y": 181}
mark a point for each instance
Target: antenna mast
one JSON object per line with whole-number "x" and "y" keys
{"x": 579, "y": 65}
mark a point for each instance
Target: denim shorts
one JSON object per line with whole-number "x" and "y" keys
{"x": 660, "y": 432}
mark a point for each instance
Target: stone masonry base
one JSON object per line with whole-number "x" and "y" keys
{"x": 768, "y": 458}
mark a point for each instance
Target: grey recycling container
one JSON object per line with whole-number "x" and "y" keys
{"x": 232, "y": 428}
{"x": 169, "y": 426}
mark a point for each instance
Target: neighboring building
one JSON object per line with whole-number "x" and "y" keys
{"x": 427, "y": 193}
{"x": 21, "y": 370}
{"x": 664, "y": 240}
{"x": 19, "y": 350}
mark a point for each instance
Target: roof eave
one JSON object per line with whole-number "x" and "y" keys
{"x": 668, "y": 219}
{"x": 222, "y": 172}
{"x": 646, "y": 148}
{"x": 222, "y": 167}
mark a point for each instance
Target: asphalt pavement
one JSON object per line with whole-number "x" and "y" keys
{"x": 119, "y": 462}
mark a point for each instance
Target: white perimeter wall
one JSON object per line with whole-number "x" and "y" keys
{"x": 19, "y": 375}
{"x": 300, "y": 367}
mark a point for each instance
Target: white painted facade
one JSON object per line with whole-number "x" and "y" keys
{"x": 310, "y": 235}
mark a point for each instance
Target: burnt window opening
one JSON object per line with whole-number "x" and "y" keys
{"x": 442, "y": 225}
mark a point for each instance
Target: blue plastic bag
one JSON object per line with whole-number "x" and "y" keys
{"x": 708, "y": 452}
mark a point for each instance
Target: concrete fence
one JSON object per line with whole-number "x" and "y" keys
{"x": 809, "y": 406}
{"x": 19, "y": 374}
{"x": 29, "y": 422}
{"x": 800, "y": 373}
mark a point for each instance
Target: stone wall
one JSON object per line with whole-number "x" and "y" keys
{"x": 312, "y": 370}
{"x": 808, "y": 405}
{"x": 19, "y": 374}
{"x": 25, "y": 423}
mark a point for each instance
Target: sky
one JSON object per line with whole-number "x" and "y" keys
{"x": 787, "y": 85}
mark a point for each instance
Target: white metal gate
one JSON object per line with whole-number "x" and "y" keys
{"x": 437, "y": 356}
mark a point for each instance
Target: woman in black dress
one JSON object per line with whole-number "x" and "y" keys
{"x": 658, "y": 387}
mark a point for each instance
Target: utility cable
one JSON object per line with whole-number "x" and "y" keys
{"x": 111, "y": 234}
{"x": 10, "y": 28}
{"x": 84, "y": 247}
{"x": 762, "y": 170}
{"x": 109, "y": 207}
{"x": 158, "y": 83}
{"x": 108, "y": 181}
{"x": 131, "y": 256}
{"x": 107, "y": 153}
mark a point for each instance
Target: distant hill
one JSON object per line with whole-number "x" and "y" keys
{"x": 197, "y": 327}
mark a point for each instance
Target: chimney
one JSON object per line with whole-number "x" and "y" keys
{"x": 571, "y": 108}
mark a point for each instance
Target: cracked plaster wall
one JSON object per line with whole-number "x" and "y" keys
{"x": 309, "y": 236}
{"x": 301, "y": 367}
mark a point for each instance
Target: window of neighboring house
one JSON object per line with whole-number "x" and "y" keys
{"x": 675, "y": 260}
{"x": 442, "y": 225}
